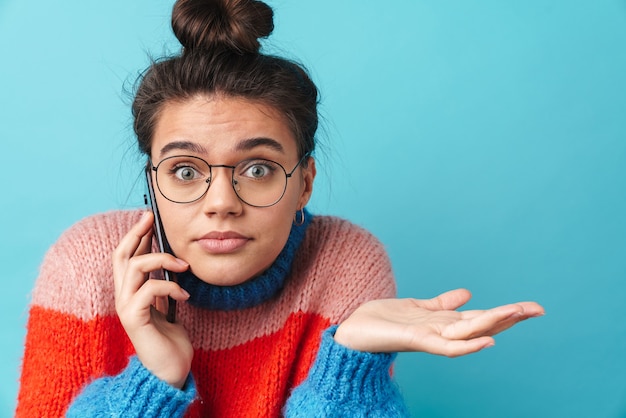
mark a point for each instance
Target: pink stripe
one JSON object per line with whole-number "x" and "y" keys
{"x": 350, "y": 267}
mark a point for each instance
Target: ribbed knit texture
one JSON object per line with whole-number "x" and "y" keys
{"x": 252, "y": 292}
{"x": 133, "y": 393}
{"x": 246, "y": 362}
{"x": 342, "y": 381}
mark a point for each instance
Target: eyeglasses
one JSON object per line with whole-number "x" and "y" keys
{"x": 257, "y": 182}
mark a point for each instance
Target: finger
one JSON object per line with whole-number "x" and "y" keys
{"x": 476, "y": 323}
{"x": 530, "y": 310}
{"x": 493, "y": 321}
{"x": 137, "y": 310}
{"x": 436, "y": 344}
{"x": 145, "y": 245}
{"x": 128, "y": 246}
{"x": 449, "y": 301}
{"x": 139, "y": 267}
{"x": 155, "y": 289}
{"x": 131, "y": 241}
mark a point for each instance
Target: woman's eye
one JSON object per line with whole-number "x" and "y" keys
{"x": 257, "y": 171}
{"x": 185, "y": 173}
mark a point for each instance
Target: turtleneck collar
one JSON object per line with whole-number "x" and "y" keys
{"x": 252, "y": 292}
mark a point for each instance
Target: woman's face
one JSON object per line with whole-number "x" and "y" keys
{"x": 226, "y": 241}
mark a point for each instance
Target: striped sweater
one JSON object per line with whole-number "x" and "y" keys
{"x": 272, "y": 359}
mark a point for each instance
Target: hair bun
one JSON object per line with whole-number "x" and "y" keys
{"x": 212, "y": 24}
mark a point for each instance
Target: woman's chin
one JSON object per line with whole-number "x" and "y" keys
{"x": 225, "y": 279}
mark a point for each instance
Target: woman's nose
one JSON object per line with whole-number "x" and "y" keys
{"x": 221, "y": 198}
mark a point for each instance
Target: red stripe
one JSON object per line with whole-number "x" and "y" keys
{"x": 254, "y": 379}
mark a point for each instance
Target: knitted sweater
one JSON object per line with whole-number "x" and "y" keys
{"x": 275, "y": 358}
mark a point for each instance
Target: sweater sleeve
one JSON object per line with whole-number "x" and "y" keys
{"x": 73, "y": 333}
{"x": 345, "y": 382}
{"x": 135, "y": 392}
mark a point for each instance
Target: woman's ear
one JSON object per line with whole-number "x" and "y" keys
{"x": 308, "y": 176}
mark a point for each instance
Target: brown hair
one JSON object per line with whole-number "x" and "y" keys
{"x": 220, "y": 55}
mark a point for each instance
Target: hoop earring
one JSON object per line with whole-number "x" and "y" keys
{"x": 296, "y": 221}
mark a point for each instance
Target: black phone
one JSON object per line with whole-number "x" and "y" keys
{"x": 162, "y": 243}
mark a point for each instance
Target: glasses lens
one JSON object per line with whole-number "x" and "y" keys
{"x": 259, "y": 182}
{"x": 183, "y": 179}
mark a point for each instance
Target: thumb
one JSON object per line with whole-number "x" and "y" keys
{"x": 448, "y": 301}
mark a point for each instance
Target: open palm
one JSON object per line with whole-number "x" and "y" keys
{"x": 432, "y": 326}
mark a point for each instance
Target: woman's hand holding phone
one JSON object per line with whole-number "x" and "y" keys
{"x": 163, "y": 347}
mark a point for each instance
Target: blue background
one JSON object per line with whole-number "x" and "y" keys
{"x": 483, "y": 142}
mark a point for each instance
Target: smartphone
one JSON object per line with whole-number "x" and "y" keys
{"x": 162, "y": 243}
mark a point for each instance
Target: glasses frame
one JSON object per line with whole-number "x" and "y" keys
{"x": 288, "y": 175}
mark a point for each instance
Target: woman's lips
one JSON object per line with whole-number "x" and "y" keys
{"x": 222, "y": 242}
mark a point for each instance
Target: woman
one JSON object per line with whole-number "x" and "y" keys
{"x": 279, "y": 311}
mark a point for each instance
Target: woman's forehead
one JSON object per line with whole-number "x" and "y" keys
{"x": 210, "y": 124}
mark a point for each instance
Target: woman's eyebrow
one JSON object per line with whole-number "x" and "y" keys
{"x": 183, "y": 146}
{"x": 244, "y": 145}
{"x": 251, "y": 143}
